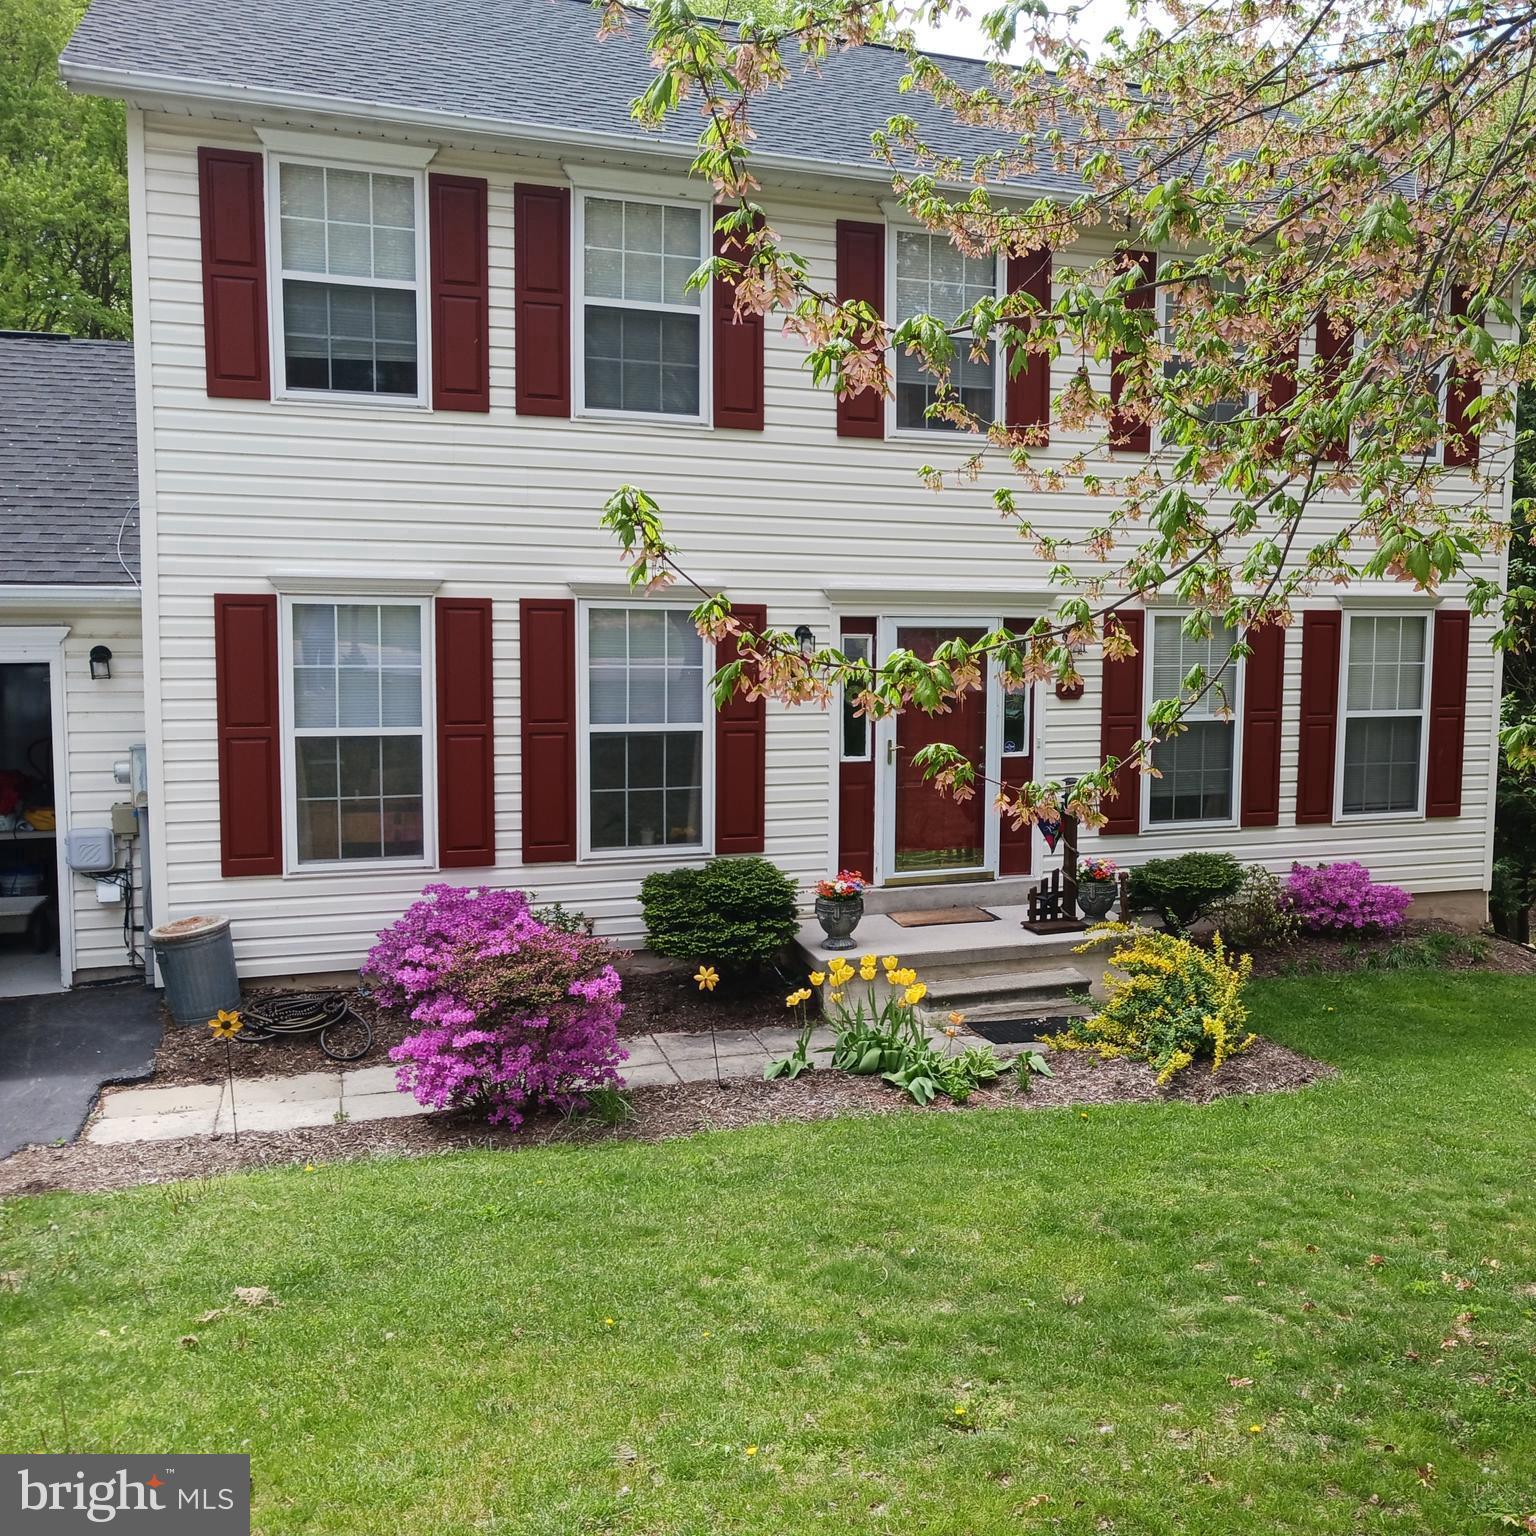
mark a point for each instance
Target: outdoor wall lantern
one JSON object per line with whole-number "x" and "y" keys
{"x": 805, "y": 638}
{"x": 101, "y": 663}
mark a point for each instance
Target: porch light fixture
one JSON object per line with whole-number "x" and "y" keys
{"x": 805, "y": 638}
{"x": 101, "y": 663}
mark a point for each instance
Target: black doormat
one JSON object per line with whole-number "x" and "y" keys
{"x": 1019, "y": 1031}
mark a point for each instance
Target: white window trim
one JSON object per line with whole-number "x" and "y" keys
{"x": 288, "y": 773}
{"x": 1344, "y": 714}
{"x": 704, "y": 310}
{"x": 422, "y": 399}
{"x": 893, "y": 228}
{"x": 1236, "y": 691}
{"x": 667, "y": 853}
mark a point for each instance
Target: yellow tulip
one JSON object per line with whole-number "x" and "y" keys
{"x": 890, "y": 962}
{"x": 817, "y": 977}
{"x": 914, "y": 994}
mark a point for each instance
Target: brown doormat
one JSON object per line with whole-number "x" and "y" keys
{"x": 937, "y": 917}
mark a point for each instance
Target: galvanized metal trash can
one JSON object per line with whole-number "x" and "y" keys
{"x": 196, "y": 958}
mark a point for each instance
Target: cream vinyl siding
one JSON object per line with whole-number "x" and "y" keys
{"x": 506, "y": 507}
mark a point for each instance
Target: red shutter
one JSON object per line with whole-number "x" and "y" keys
{"x": 235, "y": 347}
{"x": 1321, "y": 634}
{"x": 542, "y": 254}
{"x": 547, "y": 651}
{"x": 245, "y": 683}
{"x": 861, "y": 275}
{"x": 1447, "y": 712}
{"x": 466, "y": 735}
{"x": 856, "y": 789}
{"x": 738, "y": 362}
{"x": 1263, "y": 696}
{"x": 1280, "y": 386}
{"x": 1129, "y": 433}
{"x": 1121, "y": 718}
{"x": 461, "y": 301}
{"x": 1015, "y": 845}
{"x": 1333, "y": 354}
{"x": 1027, "y": 394}
{"x": 741, "y": 753}
{"x": 1461, "y": 390}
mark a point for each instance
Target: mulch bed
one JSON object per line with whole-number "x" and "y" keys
{"x": 653, "y": 1000}
{"x": 658, "y": 1114}
{"x": 1316, "y": 954}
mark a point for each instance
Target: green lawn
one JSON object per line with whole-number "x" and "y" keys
{"x": 928, "y": 1323}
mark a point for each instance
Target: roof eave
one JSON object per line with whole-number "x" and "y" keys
{"x": 124, "y": 84}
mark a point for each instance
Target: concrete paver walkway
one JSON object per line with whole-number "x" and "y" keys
{"x": 369, "y": 1093}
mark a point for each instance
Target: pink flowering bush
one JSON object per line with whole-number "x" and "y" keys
{"x": 1343, "y": 898}
{"x": 514, "y": 1014}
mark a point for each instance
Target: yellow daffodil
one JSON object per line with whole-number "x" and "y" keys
{"x": 226, "y": 1026}
{"x": 914, "y": 994}
{"x": 707, "y": 977}
{"x": 817, "y": 977}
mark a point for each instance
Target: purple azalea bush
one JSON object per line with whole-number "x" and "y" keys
{"x": 514, "y": 1014}
{"x": 1343, "y": 897}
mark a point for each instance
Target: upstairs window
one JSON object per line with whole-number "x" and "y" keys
{"x": 349, "y": 264}
{"x": 1198, "y": 765}
{"x": 645, "y": 716}
{"x": 1218, "y": 410}
{"x": 934, "y": 278}
{"x": 642, "y": 327}
{"x": 1385, "y": 668}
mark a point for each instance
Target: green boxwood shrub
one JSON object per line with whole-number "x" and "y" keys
{"x": 735, "y": 914}
{"x": 1181, "y": 889}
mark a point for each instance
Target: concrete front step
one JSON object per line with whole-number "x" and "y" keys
{"x": 1030, "y": 990}
{"x": 923, "y": 895}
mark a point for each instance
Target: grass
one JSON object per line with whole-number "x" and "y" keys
{"x": 1237, "y": 1318}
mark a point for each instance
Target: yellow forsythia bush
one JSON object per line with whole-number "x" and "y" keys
{"x": 1171, "y": 1003}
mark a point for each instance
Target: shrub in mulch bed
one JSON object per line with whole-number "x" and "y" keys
{"x": 1418, "y": 944}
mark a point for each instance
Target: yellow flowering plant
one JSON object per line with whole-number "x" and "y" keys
{"x": 1170, "y": 1002}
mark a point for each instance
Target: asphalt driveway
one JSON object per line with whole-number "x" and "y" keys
{"x": 57, "y": 1050}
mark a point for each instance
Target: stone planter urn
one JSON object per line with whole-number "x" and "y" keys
{"x": 839, "y": 916}
{"x": 1095, "y": 898}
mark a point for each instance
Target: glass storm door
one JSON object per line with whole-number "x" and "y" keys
{"x": 934, "y": 832}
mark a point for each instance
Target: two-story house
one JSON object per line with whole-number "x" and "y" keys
{"x": 410, "y": 302}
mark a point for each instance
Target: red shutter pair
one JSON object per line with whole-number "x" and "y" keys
{"x": 542, "y": 282}
{"x": 861, "y": 276}
{"x": 250, "y": 735}
{"x": 1122, "y": 723}
{"x": 1322, "y": 645}
{"x": 233, "y": 219}
{"x": 547, "y": 645}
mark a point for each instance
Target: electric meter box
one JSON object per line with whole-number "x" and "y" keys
{"x": 90, "y": 850}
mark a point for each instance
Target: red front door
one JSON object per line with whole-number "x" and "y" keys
{"x": 934, "y": 831}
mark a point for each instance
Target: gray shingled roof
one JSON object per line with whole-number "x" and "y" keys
{"x": 534, "y": 65}
{"x": 68, "y": 465}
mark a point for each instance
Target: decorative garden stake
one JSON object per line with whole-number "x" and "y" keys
{"x": 225, "y": 1027}
{"x": 839, "y": 906}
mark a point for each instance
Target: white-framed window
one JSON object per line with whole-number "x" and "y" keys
{"x": 348, "y": 256}
{"x": 1168, "y": 303}
{"x": 642, "y": 334}
{"x": 1199, "y": 766}
{"x": 1384, "y": 736}
{"x": 856, "y": 737}
{"x": 357, "y": 704}
{"x": 649, "y": 750}
{"x": 930, "y": 275}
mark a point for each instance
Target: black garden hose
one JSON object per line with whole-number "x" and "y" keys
{"x": 304, "y": 1013}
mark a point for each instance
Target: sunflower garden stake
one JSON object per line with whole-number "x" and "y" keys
{"x": 225, "y": 1027}
{"x": 708, "y": 979}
